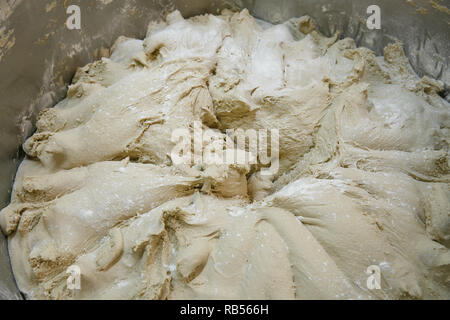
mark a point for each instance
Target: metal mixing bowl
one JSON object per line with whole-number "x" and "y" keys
{"x": 39, "y": 54}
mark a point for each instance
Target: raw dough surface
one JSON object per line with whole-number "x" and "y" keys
{"x": 363, "y": 175}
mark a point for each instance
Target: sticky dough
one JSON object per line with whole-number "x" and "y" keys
{"x": 363, "y": 176}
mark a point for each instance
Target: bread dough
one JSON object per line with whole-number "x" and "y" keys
{"x": 363, "y": 173}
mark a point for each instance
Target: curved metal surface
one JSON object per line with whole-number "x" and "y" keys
{"x": 39, "y": 55}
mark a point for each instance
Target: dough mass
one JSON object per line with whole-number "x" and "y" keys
{"x": 363, "y": 175}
